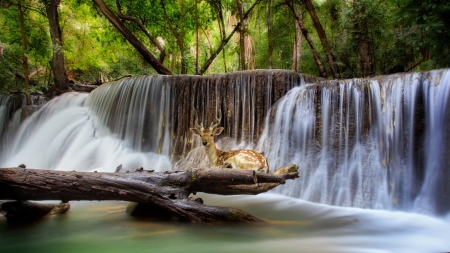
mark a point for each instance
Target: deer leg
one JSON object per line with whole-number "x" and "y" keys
{"x": 226, "y": 166}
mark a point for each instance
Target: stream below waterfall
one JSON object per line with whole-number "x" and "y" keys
{"x": 292, "y": 225}
{"x": 372, "y": 153}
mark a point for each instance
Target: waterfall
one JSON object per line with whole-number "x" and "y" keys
{"x": 12, "y": 109}
{"x": 63, "y": 135}
{"x": 142, "y": 121}
{"x": 4, "y": 104}
{"x": 372, "y": 143}
{"x": 154, "y": 113}
{"x": 8, "y": 104}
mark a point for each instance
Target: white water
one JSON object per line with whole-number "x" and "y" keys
{"x": 373, "y": 167}
{"x": 347, "y": 166}
{"x": 65, "y": 135}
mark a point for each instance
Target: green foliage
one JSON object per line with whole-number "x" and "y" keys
{"x": 398, "y": 33}
{"x": 11, "y": 63}
{"x": 38, "y": 49}
{"x": 425, "y": 26}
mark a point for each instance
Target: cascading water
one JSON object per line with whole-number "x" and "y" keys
{"x": 141, "y": 121}
{"x": 376, "y": 143}
{"x": 12, "y": 109}
{"x": 137, "y": 111}
{"x": 64, "y": 135}
{"x": 4, "y": 104}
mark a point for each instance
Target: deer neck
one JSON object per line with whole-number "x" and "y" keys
{"x": 213, "y": 153}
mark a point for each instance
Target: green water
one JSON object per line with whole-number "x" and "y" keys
{"x": 291, "y": 226}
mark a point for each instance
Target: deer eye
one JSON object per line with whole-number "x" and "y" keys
{"x": 211, "y": 134}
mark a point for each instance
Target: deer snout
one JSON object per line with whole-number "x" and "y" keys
{"x": 204, "y": 143}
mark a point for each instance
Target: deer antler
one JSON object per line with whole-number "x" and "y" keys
{"x": 213, "y": 126}
{"x": 196, "y": 121}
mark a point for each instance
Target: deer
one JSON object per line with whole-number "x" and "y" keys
{"x": 243, "y": 159}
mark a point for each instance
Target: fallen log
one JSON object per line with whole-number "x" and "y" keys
{"x": 83, "y": 87}
{"x": 167, "y": 192}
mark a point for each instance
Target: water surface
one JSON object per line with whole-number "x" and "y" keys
{"x": 291, "y": 225}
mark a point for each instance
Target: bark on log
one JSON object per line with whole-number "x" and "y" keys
{"x": 168, "y": 192}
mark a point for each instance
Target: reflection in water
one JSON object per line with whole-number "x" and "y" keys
{"x": 292, "y": 225}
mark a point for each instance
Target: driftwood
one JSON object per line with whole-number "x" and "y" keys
{"x": 165, "y": 192}
{"x": 28, "y": 211}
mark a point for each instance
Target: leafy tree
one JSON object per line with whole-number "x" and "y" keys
{"x": 57, "y": 62}
{"x": 25, "y": 55}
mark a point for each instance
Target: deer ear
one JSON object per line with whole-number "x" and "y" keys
{"x": 195, "y": 131}
{"x": 218, "y": 130}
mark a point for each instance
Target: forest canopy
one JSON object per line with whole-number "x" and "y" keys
{"x": 47, "y": 43}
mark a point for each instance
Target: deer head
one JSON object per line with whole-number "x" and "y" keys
{"x": 207, "y": 134}
{"x": 239, "y": 159}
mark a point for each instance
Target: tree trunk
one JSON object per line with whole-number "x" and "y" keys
{"x": 26, "y": 76}
{"x": 297, "y": 51}
{"x": 167, "y": 191}
{"x": 322, "y": 36}
{"x": 269, "y": 33}
{"x": 241, "y": 24}
{"x": 322, "y": 71}
{"x": 162, "y": 52}
{"x": 181, "y": 39}
{"x": 225, "y": 41}
{"x": 196, "y": 36}
{"x": 217, "y": 6}
{"x": 363, "y": 40}
{"x": 148, "y": 57}
{"x": 57, "y": 62}
{"x": 178, "y": 33}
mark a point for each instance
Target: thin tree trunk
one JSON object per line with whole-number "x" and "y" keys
{"x": 26, "y": 76}
{"x": 196, "y": 36}
{"x": 178, "y": 33}
{"x": 57, "y": 63}
{"x": 297, "y": 51}
{"x": 225, "y": 41}
{"x": 269, "y": 33}
{"x": 343, "y": 38}
{"x": 181, "y": 40}
{"x": 363, "y": 41}
{"x": 217, "y": 6}
{"x": 241, "y": 23}
{"x": 322, "y": 36}
{"x": 224, "y": 61}
{"x": 148, "y": 57}
{"x": 322, "y": 71}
